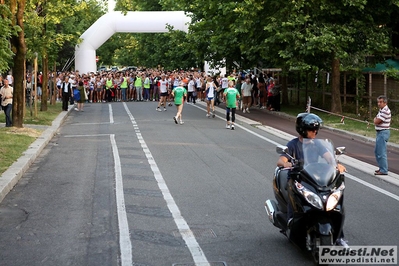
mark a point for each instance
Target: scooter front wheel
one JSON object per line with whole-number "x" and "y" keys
{"x": 317, "y": 243}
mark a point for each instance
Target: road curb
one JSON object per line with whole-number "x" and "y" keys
{"x": 12, "y": 175}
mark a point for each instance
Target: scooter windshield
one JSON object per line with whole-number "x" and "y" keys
{"x": 319, "y": 161}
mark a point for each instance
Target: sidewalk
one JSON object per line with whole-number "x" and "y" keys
{"x": 12, "y": 175}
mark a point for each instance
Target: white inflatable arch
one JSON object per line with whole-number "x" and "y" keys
{"x": 112, "y": 22}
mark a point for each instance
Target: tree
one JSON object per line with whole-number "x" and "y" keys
{"x": 18, "y": 47}
{"x": 7, "y": 30}
{"x": 324, "y": 34}
{"x": 50, "y": 29}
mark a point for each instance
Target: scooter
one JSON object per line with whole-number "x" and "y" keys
{"x": 315, "y": 188}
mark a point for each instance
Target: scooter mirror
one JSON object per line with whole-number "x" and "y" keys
{"x": 282, "y": 149}
{"x": 340, "y": 150}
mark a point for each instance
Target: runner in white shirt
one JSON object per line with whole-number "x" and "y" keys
{"x": 210, "y": 91}
{"x": 224, "y": 84}
{"x": 163, "y": 91}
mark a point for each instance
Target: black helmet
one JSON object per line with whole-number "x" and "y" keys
{"x": 307, "y": 121}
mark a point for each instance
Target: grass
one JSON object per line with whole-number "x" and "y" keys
{"x": 14, "y": 141}
{"x": 362, "y": 128}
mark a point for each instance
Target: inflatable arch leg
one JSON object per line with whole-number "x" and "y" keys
{"x": 112, "y": 22}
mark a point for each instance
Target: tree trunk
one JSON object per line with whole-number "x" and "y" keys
{"x": 336, "y": 106}
{"x": 43, "y": 104}
{"x": 19, "y": 48}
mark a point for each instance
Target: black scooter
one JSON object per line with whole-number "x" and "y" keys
{"x": 315, "y": 189}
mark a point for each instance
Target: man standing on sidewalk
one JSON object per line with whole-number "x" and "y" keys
{"x": 382, "y": 122}
{"x": 6, "y": 93}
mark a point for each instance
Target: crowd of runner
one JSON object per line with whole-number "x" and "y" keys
{"x": 154, "y": 85}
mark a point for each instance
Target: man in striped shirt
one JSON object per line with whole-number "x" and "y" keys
{"x": 382, "y": 121}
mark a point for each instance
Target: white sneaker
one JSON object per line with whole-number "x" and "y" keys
{"x": 76, "y": 109}
{"x": 164, "y": 109}
{"x": 232, "y": 127}
{"x": 227, "y": 126}
{"x": 181, "y": 122}
{"x": 208, "y": 115}
{"x": 243, "y": 111}
{"x": 248, "y": 111}
{"x": 159, "y": 109}
{"x": 341, "y": 242}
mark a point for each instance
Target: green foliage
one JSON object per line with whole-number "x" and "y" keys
{"x": 7, "y": 31}
{"x": 392, "y": 73}
{"x": 53, "y": 27}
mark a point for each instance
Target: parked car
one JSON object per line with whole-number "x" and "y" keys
{"x": 129, "y": 68}
{"x": 114, "y": 68}
{"x": 102, "y": 68}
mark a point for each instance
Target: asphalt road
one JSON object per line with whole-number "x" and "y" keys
{"x": 122, "y": 184}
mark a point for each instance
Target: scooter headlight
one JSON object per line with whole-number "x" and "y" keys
{"x": 334, "y": 198}
{"x": 311, "y": 197}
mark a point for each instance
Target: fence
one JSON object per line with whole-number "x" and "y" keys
{"x": 358, "y": 93}
{"x": 309, "y": 107}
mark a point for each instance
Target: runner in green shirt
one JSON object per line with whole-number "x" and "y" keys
{"x": 231, "y": 95}
{"x": 179, "y": 93}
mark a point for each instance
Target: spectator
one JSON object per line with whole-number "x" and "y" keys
{"x": 246, "y": 93}
{"x": 6, "y": 93}
{"x": 382, "y": 123}
{"x": 82, "y": 92}
{"x": 66, "y": 89}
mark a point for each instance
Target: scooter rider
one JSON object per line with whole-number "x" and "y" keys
{"x": 307, "y": 125}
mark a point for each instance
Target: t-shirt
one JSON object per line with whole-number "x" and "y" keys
{"x": 6, "y": 92}
{"x": 231, "y": 97}
{"x": 295, "y": 149}
{"x": 163, "y": 86}
{"x": 225, "y": 83}
{"x": 210, "y": 92}
{"x": 179, "y": 92}
{"x": 385, "y": 115}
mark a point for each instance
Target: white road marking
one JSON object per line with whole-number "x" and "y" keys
{"x": 125, "y": 244}
{"x": 111, "y": 115}
{"x": 82, "y": 136}
{"x": 383, "y": 191}
{"x": 185, "y": 231}
{"x": 82, "y": 124}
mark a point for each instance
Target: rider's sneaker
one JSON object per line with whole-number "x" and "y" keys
{"x": 342, "y": 242}
{"x": 289, "y": 223}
